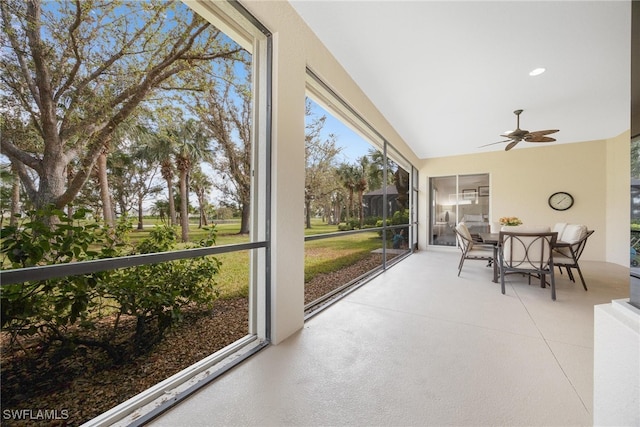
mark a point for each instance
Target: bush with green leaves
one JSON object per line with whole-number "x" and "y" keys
{"x": 371, "y": 221}
{"x": 349, "y": 224}
{"x": 400, "y": 217}
{"x": 156, "y": 294}
{"x": 67, "y": 310}
{"x": 48, "y": 307}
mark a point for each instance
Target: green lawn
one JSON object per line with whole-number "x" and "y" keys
{"x": 328, "y": 255}
{"x": 321, "y": 256}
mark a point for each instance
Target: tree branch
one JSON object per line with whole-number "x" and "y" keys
{"x": 18, "y": 50}
{"x": 74, "y": 47}
{"x": 84, "y": 170}
{"x": 21, "y": 156}
{"x": 48, "y": 117}
{"x": 26, "y": 179}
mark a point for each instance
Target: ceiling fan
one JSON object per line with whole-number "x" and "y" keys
{"x": 524, "y": 135}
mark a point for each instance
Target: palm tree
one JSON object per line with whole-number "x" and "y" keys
{"x": 160, "y": 208}
{"x": 129, "y": 132}
{"x": 347, "y": 177}
{"x": 362, "y": 172}
{"x": 160, "y": 148}
{"x": 201, "y": 185}
{"x": 192, "y": 146}
{"x": 396, "y": 175}
{"x": 376, "y": 169}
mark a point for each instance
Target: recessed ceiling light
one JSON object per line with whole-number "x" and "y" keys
{"x": 537, "y": 71}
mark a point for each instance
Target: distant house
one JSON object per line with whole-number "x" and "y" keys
{"x": 373, "y": 201}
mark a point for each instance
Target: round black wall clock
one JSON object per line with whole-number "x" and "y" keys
{"x": 561, "y": 201}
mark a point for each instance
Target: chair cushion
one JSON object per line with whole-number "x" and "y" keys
{"x": 573, "y": 232}
{"x": 464, "y": 231}
{"x": 484, "y": 251}
{"x": 559, "y": 228}
{"x": 562, "y": 259}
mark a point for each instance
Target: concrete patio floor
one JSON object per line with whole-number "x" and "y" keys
{"x": 419, "y": 346}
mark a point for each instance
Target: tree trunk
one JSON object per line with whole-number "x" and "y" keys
{"x": 140, "y": 217}
{"x": 172, "y": 203}
{"x": 51, "y": 186}
{"x": 107, "y": 207}
{"x": 350, "y": 205}
{"x": 184, "y": 206}
{"x": 337, "y": 212}
{"x": 307, "y": 213}
{"x": 15, "y": 197}
{"x": 202, "y": 204}
{"x": 245, "y": 227}
{"x": 361, "y": 208}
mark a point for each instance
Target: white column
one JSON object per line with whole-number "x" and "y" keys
{"x": 616, "y": 364}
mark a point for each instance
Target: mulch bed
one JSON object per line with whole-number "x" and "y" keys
{"x": 84, "y": 391}
{"x": 322, "y": 284}
{"x": 87, "y": 384}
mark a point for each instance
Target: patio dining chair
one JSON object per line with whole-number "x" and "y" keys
{"x": 567, "y": 253}
{"x": 529, "y": 253}
{"x": 471, "y": 250}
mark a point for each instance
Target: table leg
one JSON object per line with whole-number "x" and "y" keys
{"x": 495, "y": 263}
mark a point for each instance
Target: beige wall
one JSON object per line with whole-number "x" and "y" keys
{"x": 618, "y": 199}
{"x": 521, "y": 180}
{"x": 596, "y": 173}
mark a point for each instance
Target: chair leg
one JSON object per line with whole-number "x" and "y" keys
{"x": 502, "y": 280}
{"x": 584, "y": 285}
{"x": 460, "y": 265}
{"x": 573, "y": 279}
{"x": 553, "y": 285}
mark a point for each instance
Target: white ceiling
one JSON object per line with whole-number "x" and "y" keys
{"x": 449, "y": 74}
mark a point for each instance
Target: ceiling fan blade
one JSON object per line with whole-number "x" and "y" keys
{"x": 511, "y": 145}
{"x": 494, "y": 143}
{"x": 544, "y": 132}
{"x": 515, "y": 136}
{"x": 536, "y": 138}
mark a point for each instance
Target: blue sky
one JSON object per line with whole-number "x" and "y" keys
{"x": 353, "y": 145}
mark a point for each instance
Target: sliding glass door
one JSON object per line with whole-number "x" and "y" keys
{"x": 454, "y": 199}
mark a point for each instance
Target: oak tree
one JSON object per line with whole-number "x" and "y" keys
{"x": 78, "y": 68}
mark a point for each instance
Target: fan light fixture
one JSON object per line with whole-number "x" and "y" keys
{"x": 537, "y": 71}
{"x": 514, "y": 137}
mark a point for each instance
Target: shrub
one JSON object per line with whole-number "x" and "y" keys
{"x": 65, "y": 310}
{"x": 398, "y": 218}
{"x": 49, "y": 306}
{"x": 371, "y": 221}
{"x": 353, "y": 223}
{"x": 156, "y": 294}
{"x": 344, "y": 227}
{"x": 350, "y": 224}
